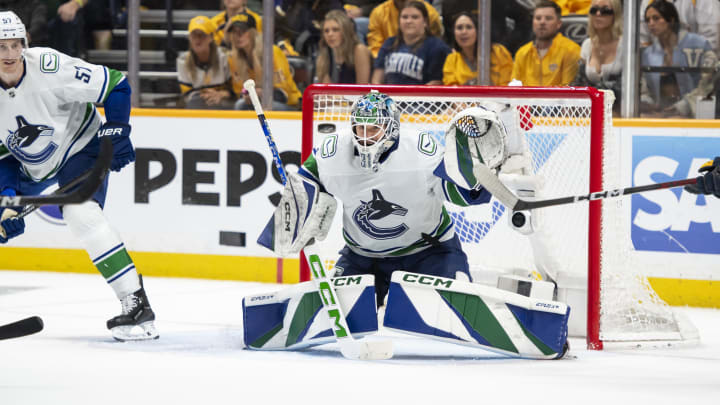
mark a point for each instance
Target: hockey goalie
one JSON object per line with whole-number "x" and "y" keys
{"x": 401, "y": 251}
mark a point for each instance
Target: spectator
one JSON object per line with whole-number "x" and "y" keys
{"x": 601, "y": 61}
{"x": 298, "y": 23}
{"x": 700, "y": 17}
{"x": 245, "y": 62}
{"x": 673, "y": 93}
{"x": 203, "y": 71}
{"x": 414, "y": 56}
{"x": 550, "y": 60}
{"x": 76, "y": 25}
{"x": 511, "y": 20}
{"x": 34, "y": 14}
{"x": 232, "y": 8}
{"x": 574, "y": 6}
{"x": 341, "y": 58}
{"x": 461, "y": 65}
{"x": 359, "y": 11}
{"x": 384, "y": 23}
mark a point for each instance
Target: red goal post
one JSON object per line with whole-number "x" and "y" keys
{"x": 566, "y": 129}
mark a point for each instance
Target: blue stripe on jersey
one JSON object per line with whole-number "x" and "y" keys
{"x": 105, "y": 83}
{"x": 104, "y": 255}
{"x": 117, "y": 276}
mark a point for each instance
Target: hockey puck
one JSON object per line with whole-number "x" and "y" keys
{"x": 518, "y": 219}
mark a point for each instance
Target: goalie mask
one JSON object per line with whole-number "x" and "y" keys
{"x": 375, "y": 126}
{"x": 11, "y": 27}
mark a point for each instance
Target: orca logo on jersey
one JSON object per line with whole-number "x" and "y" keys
{"x": 21, "y": 142}
{"x": 375, "y": 209}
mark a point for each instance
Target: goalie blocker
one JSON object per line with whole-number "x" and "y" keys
{"x": 303, "y": 215}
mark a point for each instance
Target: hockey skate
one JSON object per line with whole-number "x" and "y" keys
{"x": 137, "y": 319}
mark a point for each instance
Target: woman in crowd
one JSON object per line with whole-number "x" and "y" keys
{"x": 221, "y": 20}
{"x": 414, "y": 56}
{"x": 461, "y": 66}
{"x": 673, "y": 93}
{"x": 203, "y": 70}
{"x": 245, "y": 63}
{"x": 341, "y": 58}
{"x": 601, "y": 54}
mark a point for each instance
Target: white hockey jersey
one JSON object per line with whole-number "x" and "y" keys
{"x": 386, "y": 212}
{"x": 49, "y": 115}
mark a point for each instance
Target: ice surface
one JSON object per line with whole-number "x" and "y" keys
{"x": 199, "y": 358}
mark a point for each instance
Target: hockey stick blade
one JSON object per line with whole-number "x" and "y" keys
{"x": 491, "y": 183}
{"x": 23, "y": 327}
{"x": 81, "y": 194}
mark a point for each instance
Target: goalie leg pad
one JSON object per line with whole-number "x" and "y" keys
{"x": 476, "y": 315}
{"x": 291, "y": 319}
{"x": 303, "y": 214}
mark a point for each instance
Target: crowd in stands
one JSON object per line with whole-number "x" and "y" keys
{"x": 413, "y": 42}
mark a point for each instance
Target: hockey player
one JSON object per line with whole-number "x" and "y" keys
{"x": 709, "y": 183}
{"x": 393, "y": 185}
{"x": 50, "y": 134}
{"x": 392, "y": 196}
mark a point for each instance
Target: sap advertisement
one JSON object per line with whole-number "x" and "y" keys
{"x": 673, "y": 220}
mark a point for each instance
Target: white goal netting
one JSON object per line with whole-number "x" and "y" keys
{"x": 554, "y": 132}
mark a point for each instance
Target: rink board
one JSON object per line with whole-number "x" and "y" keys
{"x": 202, "y": 190}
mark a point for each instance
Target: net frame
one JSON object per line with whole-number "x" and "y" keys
{"x": 600, "y": 122}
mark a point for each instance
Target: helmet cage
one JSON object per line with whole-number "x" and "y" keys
{"x": 379, "y": 111}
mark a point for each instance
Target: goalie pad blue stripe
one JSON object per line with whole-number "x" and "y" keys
{"x": 548, "y": 328}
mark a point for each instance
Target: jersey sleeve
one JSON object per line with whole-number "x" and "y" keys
{"x": 309, "y": 169}
{"x": 81, "y": 81}
{"x": 458, "y": 195}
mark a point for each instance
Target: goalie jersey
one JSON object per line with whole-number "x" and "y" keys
{"x": 398, "y": 210}
{"x": 49, "y": 116}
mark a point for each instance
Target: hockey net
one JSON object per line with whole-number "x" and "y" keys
{"x": 567, "y": 135}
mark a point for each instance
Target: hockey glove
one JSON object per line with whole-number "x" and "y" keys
{"x": 709, "y": 183}
{"x": 10, "y": 225}
{"x": 123, "y": 151}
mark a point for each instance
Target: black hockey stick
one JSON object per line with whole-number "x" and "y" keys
{"x": 491, "y": 183}
{"x": 31, "y": 208}
{"x": 81, "y": 194}
{"x": 23, "y": 327}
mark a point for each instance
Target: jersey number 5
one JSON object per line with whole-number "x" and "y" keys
{"x": 82, "y": 74}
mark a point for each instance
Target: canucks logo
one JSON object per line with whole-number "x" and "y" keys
{"x": 22, "y": 143}
{"x": 376, "y": 209}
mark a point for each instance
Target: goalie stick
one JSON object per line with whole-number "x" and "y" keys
{"x": 349, "y": 347}
{"x": 491, "y": 183}
{"x": 94, "y": 179}
{"x": 23, "y": 327}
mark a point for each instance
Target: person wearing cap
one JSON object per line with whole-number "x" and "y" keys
{"x": 222, "y": 20}
{"x": 203, "y": 71}
{"x": 244, "y": 62}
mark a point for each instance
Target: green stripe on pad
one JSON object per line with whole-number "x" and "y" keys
{"x": 545, "y": 349}
{"x": 480, "y": 318}
{"x": 260, "y": 342}
{"x": 307, "y": 308}
{"x": 112, "y": 264}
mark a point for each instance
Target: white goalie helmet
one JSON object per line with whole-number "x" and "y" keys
{"x": 483, "y": 129}
{"x": 375, "y": 123}
{"x": 11, "y": 27}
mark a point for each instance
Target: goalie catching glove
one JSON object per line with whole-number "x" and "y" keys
{"x": 304, "y": 213}
{"x": 709, "y": 183}
{"x": 476, "y": 136}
